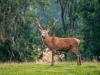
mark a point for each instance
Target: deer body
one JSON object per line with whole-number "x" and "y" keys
{"x": 59, "y": 44}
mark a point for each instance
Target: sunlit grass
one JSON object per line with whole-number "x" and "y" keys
{"x": 45, "y": 69}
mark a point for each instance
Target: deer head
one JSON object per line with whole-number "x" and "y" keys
{"x": 44, "y": 31}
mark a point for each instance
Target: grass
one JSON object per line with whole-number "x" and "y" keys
{"x": 45, "y": 69}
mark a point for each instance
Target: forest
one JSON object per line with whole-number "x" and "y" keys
{"x": 20, "y": 39}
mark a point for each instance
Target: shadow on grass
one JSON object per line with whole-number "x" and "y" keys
{"x": 90, "y": 66}
{"x": 97, "y": 72}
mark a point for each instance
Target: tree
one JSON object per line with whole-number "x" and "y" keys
{"x": 69, "y": 16}
{"x": 16, "y": 18}
{"x": 91, "y": 16}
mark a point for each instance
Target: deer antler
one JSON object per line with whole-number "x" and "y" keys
{"x": 54, "y": 23}
{"x": 38, "y": 23}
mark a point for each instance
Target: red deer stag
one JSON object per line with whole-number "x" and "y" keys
{"x": 59, "y": 44}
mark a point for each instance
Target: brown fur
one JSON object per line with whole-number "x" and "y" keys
{"x": 56, "y": 43}
{"x": 63, "y": 44}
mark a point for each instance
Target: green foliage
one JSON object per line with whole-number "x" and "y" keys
{"x": 17, "y": 30}
{"x": 20, "y": 38}
{"x": 91, "y": 16}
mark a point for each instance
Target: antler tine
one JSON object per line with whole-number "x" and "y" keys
{"x": 38, "y": 22}
{"x": 54, "y": 23}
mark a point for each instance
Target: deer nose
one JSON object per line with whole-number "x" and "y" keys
{"x": 43, "y": 35}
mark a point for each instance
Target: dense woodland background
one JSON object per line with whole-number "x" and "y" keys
{"x": 20, "y": 39}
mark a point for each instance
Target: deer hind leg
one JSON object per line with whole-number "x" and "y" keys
{"x": 52, "y": 61}
{"x": 77, "y": 53}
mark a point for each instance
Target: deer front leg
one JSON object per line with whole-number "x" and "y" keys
{"x": 52, "y": 62}
{"x": 78, "y": 59}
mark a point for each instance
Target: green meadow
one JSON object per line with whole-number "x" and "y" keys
{"x": 69, "y": 68}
